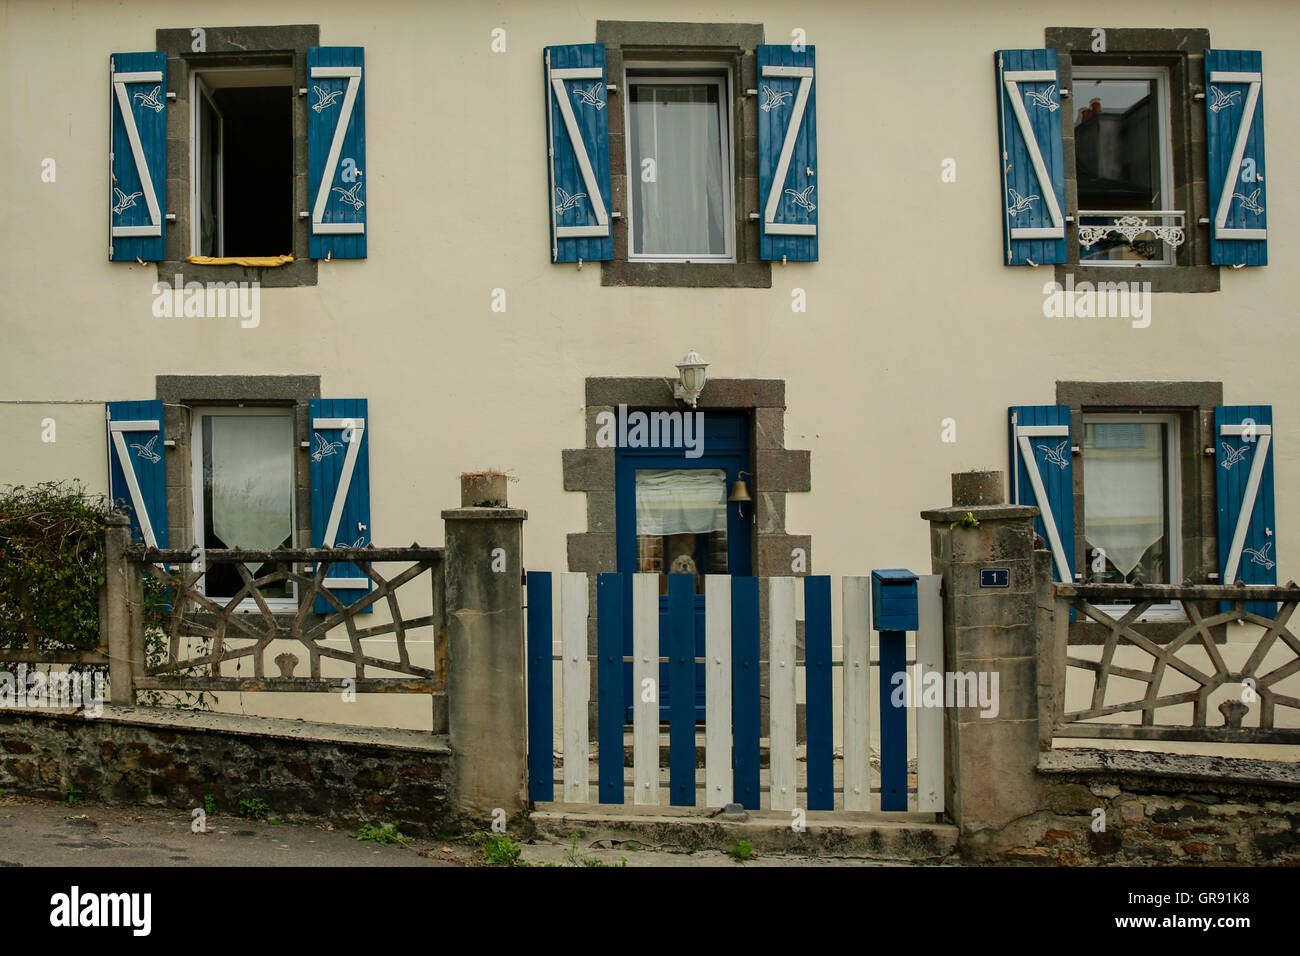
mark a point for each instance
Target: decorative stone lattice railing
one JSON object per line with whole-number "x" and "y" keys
{"x": 204, "y": 633}
{"x": 1248, "y": 693}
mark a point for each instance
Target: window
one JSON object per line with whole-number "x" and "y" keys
{"x": 681, "y": 523}
{"x": 1132, "y": 499}
{"x": 1123, "y": 164}
{"x": 243, "y": 135}
{"x": 243, "y": 472}
{"x": 679, "y": 166}
{"x": 1136, "y": 194}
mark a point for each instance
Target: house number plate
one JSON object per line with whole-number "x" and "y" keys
{"x": 995, "y": 577}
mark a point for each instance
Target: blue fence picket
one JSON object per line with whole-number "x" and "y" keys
{"x": 893, "y": 722}
{"x": 744, "y": 690}
{"x": 819, "y": 695}
{"x": 681, "y": 676}
{"x": 609, "y": 683}
{"x": 541, "y": 722}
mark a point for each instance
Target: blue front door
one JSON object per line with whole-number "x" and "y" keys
{"x": 673, "y": 517}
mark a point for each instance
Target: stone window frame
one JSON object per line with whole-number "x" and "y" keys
{"x": 234, "y": 46}
{"x": 182, "y": 395}
{"x": 1194, "y": 404}
{"x": 734, "y": 45}
{"x": 1182, "y": 52}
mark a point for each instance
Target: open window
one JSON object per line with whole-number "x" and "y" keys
{"x": 679, "y": 164}
{"x": 242, "y": 161}
{"x": 1124, "y": 168}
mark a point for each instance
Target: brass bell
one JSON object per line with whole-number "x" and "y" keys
{"x": 740, "y": 492}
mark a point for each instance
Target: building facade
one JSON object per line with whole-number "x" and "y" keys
{"x": 908, "y": 240}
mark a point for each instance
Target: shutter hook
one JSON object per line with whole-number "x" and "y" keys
{"x": 783, "y": 260}
{"x": 579, "y": 265}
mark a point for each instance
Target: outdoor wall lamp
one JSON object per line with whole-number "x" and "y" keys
{"x": 691, "y": 376}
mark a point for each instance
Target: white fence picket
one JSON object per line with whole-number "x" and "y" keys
{"x": 781, "y": 683}
{"x": 717, "y": 690}
{"x": 929, "y": 720}
{"x": 645, "y": 697}
{"x": 856, "y": 593}
{"x": 576, "y": 684}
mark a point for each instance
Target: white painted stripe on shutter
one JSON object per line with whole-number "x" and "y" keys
{"x": 557, "y": 78}
{"x": 353, "y": 76}
{"x": 1236, "y": 431}
{"x": 1238, "y": 151}
{"x": 1264, "y": 437}
{"x": 770, "y": 225}
{"x": 576, "y": 684}
{"x": 645, "y": 664}
{"x": 117, "y": 431}
{"x": 137, "y": 151}
{"x": 360, "y": 584}
{"x": 1023, "y": 434}
{"x": 1012, "y": 79}
{"x": 581, "y": 232}
{"x": 781, "y": 684}
{"x": 718, "y": 784}
{"x": 358, "y": 426}
{"x": 929, "y": 720}
{"x": 856, "y": 624}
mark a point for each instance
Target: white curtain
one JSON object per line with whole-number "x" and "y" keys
{"x": 252, "y": 479}
{"x": 681, "y": 211}
{"x": 680, "y": 501}
{"x": 1124, "y": 500}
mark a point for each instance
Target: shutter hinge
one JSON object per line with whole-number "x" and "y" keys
{"x": 1209, "y": 453}
{"x": 302, "y": 91}
{"x": 616, "y": 214}
{"x": 1212, "y": 576}
{"x": 1076, "y": 450}
{"x": 1069, "y": 219}
{"x": 169, "y": 443}
{"x": 303, "y": 214}
{"x": 1199, "y": 96}
{"x": 753, "y": 217}
{"x": 304, "y": 444}
{"x": 751, "y": 92}
{"x": 171, "y": 95}
{"x": 170, "y": 217}
{"x": 611, "y": 88}
{"x": 1064, "y": 91}
{"x": 1203, "y": 221}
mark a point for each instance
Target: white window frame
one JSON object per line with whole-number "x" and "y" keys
{"x": 1165, "y": 132}
{"x": 196, "y": 487}
{"x": 1171, "y": 610}
{"x": 217, "y": 77}
{"x": 703, "y": 72}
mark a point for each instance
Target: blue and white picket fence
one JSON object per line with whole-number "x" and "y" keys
{"x": 732, "y": 662}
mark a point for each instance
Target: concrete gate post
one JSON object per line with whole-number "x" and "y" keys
{"x": 116, "y": 618}
{"x": 989, "y": 626}
{"x": 486, "y": 712}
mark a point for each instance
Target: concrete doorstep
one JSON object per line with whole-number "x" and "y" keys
{"x": 902, "y": 837}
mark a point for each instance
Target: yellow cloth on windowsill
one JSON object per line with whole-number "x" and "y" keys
{"x": 252, "y": 261}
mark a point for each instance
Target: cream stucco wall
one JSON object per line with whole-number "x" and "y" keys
{"x": 911, "y": 318}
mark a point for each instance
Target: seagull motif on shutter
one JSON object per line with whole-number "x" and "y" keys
{"x": 1044, "y": 98}
{"x": 350, "y": 197}
{"x": 151, "y": 99}
{"x": 1232, "y": 455}
{"x": 146, "y": 451}
{"x": 568, "y": 202}
{"x": 801, "y": 198}
{"x": 1222, "y": 99}
{"x": 1056, "y": 456}
{"x": 1250, "y": 202}
{"x": 591, "y": 96}
{"x": 324, "y": 447}
{"x": 325, "y": 98}
{"x": 772, "y": 99}
{"x": 124, "y": 201}
{"x": 1020, "y": 203}
{"x": 1261, "y": 556}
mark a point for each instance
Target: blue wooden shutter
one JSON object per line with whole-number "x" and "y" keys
{"x": 1234, "y": 142}
{"x": 137, "y": 194}
{"x": 336, "y": 151}
{"x": 1243, "y": 457}
{"x": 137, "y": 468}
{"x": 787, "y": 152}
{"x": 577, "y": 124}
{"x": 1032, "y": 154}
{"x": 1042, "y": 474}
{"x": 340, "y": 490}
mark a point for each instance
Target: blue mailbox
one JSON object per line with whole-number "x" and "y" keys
{"x": 893, "y": 600}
